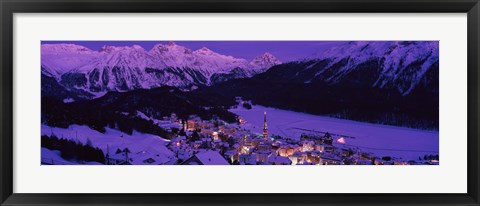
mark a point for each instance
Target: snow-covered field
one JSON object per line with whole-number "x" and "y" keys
{"x": 53, "y": 157}
{"x": 137, "y": 143}
{"x": 381, "y": 140}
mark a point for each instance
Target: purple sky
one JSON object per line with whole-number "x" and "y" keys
{"x": 283, "y": 50}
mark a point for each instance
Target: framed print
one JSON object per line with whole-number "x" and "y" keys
{"x": 250, "y": 103}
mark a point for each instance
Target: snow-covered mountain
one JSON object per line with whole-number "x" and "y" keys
{"x": 398, "y": 65}
{"x": 395, "y": 83}
{"x": 132, "y": 67}
{"x": 381, "y": 64}
{"x": 56, "y": 59}
{"x": 264, "y": 61}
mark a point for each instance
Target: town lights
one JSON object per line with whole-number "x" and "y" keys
{"x": 215, "y": 135}
{"x": 341, "y": 140}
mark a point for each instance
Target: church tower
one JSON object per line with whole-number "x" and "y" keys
{"x": 265, "y": 129}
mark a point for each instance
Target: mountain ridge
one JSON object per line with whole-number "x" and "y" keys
{"x": 114, "y": 68}
{"x": 395, "y": 83}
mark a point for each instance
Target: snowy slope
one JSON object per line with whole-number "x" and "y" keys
{"x": 57, "y": 59}
{"x": 141, "y": 145}
{"x": 52, "y": 157}
{"x": 402, "y": 64}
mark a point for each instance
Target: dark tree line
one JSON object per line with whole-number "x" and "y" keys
{"x": 119, "y": 110}
{"x": 58, "y": 114}
{"x": 72, "y": 150}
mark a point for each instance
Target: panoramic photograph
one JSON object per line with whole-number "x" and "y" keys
{"x": 240, "y": 103}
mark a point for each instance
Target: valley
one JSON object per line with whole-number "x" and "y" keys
{"x": 355, "y": 103}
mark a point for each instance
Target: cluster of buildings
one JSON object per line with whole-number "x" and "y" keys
{"x": 215, "y": 142}
{"x": 242, "y": 147}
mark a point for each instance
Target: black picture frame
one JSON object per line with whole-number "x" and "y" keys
{"x": 10, "y": 7}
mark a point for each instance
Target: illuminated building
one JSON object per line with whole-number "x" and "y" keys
{"x": 320, "y": 147}
{"x": 287, "y": 150}
{"x": 265, "y": 128}
{"x": 215, "y": 135}
{"x": 307, "y": 146}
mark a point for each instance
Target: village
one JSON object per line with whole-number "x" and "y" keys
{"x": 216, "y": 142}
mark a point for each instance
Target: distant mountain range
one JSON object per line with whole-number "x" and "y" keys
{"x": 388, "y": 82}
{"x": 393, "y": 83}
{"x": 132, "y": 67}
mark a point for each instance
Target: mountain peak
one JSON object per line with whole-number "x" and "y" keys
{"x": 109, "y": 49}
{"x": 57, "y": 59}
{"x": 267, "y": 58}
{"x": 64, "y": 48}
{"x": 264, "y": 61}
{"x": 205, "y": 51}
{"x": 137, "y": 47}
{"x": 270, "y": 58}
{"x": 170, "y": 47}
{"x": 267, "y": 54}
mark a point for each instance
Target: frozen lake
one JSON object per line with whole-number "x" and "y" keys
{"x": 381, "y": 140}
